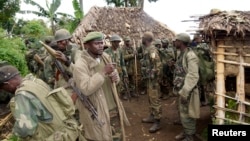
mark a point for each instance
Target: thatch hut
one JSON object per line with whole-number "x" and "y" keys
{"x": 124, "y": 21}
{"x": 229, "y": 35}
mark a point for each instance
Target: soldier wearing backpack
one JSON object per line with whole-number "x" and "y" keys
{"x": 186, "y": 77}
{"x": 40, "y": 114}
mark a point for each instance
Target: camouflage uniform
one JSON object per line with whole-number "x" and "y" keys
{"x": 152, "y": 66}
{"x": 117, "y": 57}
{"x": 186, "y": 77}
{"x": 52, "y": 75}
{"x": 129, "y": 57}
{"x": 36, "y": 116}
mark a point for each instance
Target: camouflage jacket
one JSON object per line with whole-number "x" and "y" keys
{"x": 129, "y": 58}
{"x": 118, "y": 58}
{"x": 151, "y": 65}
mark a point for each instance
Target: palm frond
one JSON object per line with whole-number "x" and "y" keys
{"x": 78, "y": 12}
{"x": 54, "y": 5}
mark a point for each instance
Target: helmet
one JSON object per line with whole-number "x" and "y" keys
{"x": 127, "y": 39}
{"x": 115, "y": 38}
{"x": 157, "y": 42}
{"x": 184, "y": 37}
{"x": 148, "y": 35}
{"x": 7, "y": 72}
{"x": 165, "y": 40}
{"x": 62, "y": 34}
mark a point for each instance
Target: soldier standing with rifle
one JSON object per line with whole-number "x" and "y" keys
{"x": 151, "y": 64}
{"x": 117, "y": 57}
{"x": 129, "y": 57}
{"x": 65, "y": 52}
{"x": 95, "y": 75}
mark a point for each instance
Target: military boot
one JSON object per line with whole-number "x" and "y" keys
{"x": 155, "y": 127}
{"x": 149, "y": 119}
{"x": 180, "y": 136}
{"x": 188, "y": 138}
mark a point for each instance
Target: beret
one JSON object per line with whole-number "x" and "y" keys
{"x": 93, "y": 36}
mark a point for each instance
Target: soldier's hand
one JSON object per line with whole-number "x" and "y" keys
{"x": 60, "y": 56}
{"x": 126, "y": 80}
{"x": 108, "y": 69}
{"x": 114, "y": 76}
{"x": 183, "y": 99}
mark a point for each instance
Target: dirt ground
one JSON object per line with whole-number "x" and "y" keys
{"x": 138, "y": 109}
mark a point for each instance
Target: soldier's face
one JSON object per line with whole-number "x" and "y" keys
{"x": 62, "y": 44}
{"x": 12, "y": 84}
{"x": 177, "y": 44}
{"x": 96, "y": 47}
{"x": 144, "y": 41}
{"x": 115, "y": 44}
{"x": 127, "y": 43}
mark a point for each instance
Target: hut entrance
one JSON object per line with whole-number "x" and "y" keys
{"x": 247, "y": 82}
{"x": 230, "y": 83}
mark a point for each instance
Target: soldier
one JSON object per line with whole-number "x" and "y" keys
{"x": 117, "y": 57}
{"x": 186, "y": 77}
{"x": 94, "y": 74}
{"x": 35, "y": 117}
{"x": 151, "y": 65}
{"x": 158, "y": 44}
{"x": 66, "y": 53}
{"x": 129, "y": 57}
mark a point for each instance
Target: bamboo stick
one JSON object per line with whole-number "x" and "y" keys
{"x": 223, "y": 46}
{"x": 5, "y": 120}
{"x": 226, "y": 53}
{"x": 244, "y": 102}
{"x": 232, "y": 111}
{"x": 230, "y": 120}
{"x": 234, "y": 63}
{"x": 241, "y": 85}
{"x": 220, "y": 84}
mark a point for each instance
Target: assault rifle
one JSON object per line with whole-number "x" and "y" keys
{"x": 84, "y": 99}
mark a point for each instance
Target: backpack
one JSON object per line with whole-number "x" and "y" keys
{"x": 59, "y": 104}
{"x": 206, "y": 65}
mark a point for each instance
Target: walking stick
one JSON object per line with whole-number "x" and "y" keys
{"x": 135, "y": 68}
{"x": 121, "y": 111}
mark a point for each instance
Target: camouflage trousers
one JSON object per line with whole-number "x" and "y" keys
{"x": 188, "y": 124}
{"x": 155, "y": 107}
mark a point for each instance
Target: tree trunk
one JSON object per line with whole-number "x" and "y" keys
{"x": 141, "y": 4}
{"x": 81, "y": 5}
{"x": 126, "y": 3}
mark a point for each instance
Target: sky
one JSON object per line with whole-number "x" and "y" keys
{"x": 169, "y": 12}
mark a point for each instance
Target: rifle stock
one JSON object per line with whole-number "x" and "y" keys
{"x": 84, "y": 99}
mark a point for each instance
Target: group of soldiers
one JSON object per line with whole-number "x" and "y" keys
{"x": 118, "y": 71}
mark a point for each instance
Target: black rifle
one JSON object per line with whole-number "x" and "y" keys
{"x": 127, "y": 89}
{"x": 84, "y": 99}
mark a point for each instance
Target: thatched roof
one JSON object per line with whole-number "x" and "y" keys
{"x": 236, "y": 23}
{"x": 129, "y": 21}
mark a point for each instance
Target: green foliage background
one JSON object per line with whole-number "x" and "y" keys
{"x": 13, "y": 50}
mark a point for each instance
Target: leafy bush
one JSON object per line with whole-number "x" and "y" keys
{"x": 13, "y": 50}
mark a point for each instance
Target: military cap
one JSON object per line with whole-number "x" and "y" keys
{"x": 127, "y": 39}
{"x": 62, "y": 34}
{"x": 93, "y": 36}
{"x": 148, "y": 35}
{"x": 7, "y": 72}
{"x": 165, "y": 40}
{"x": 184, "y": 37}
{"x": 157, "y": 42}
{"x": 115, "y": 37}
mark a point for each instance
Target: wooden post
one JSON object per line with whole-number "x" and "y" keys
{"x": 241, "y": 85}
{"x": 220, "y": 84}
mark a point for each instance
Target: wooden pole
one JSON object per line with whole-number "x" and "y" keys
{"x": 220, "y": 84}
{"x": 241, "y": 86}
